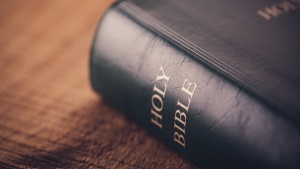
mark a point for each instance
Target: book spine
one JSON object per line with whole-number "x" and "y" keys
{"x": 186, "y": 104}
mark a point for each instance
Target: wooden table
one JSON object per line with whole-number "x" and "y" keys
{"x": 49, "y": 115}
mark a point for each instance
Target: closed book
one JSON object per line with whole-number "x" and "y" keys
{"x": 216, "y": 80}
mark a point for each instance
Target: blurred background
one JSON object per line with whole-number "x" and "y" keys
{"x": 49, "y": 115}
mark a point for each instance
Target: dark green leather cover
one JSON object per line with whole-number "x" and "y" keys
{"x": 215, "y": 80}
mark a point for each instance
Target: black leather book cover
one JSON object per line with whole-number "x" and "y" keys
{"x": 217, "y": 80}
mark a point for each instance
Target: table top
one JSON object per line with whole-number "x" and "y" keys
{"x": 49, "y": 115}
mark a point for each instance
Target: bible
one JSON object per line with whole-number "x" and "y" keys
{"x": 216, "y": 80}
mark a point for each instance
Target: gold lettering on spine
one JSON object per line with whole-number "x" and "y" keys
{"x": 163, "y": 76}
{"x": 183, "y": 106}
{"x": 159, "y": 91}
{"x": 178, "y": 138}
{"x": 180, "y": 114}
{"x": 181, "y": 118}
{"x": 157, "y": 108}
{"x": 186, "y": 89}
{"x": 157, "y": 98}
{"x": 156, "y": 118}
{"x": 278, "y": 9}
{"x": 264, "y": 15}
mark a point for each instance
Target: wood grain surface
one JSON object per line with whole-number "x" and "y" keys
{"x": 49, "y": 115}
